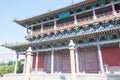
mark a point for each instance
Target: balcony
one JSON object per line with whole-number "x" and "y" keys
{"x": 80, "y": 22}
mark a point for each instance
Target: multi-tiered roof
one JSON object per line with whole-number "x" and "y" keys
{"x": 86, "y": 23}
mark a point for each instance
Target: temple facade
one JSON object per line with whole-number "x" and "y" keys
{"x": 83, "y": 38}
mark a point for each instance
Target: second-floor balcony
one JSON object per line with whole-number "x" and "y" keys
{"x": 80, "y": 23}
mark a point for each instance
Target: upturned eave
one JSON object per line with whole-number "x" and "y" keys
{"x": 89, "y": 34}
{"x": 23, "y": 22}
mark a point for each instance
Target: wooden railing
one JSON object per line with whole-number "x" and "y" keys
{"x": 86, "y": 21}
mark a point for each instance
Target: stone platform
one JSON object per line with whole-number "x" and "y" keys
{"x": 58, "y": 76}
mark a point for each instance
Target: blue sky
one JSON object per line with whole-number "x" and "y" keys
{"x": 11, "y": 32}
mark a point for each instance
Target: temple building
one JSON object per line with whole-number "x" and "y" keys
{"x": 77, "y": 42}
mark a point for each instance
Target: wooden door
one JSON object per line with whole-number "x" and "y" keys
{"x": 65, "y": 62}
{"x": 57, "y": 62}
{"x": 88, "y": 60}
{"x": 47, "y": 63}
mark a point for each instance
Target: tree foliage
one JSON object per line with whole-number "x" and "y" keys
{"x": 6, "y": 67}
{"x": 9, "y": 67}
{"x": 20, "y": 67}
{"x": 10, "y": 62}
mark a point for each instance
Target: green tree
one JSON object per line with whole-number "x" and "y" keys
{"x": 3, "y": 70}
{"x": 11, "y": 68}
{"x": 10, "y": 62}
{"x": 2, "y": 63}
{"x": 6, "y": 68}
{"x": 20, "y": 67}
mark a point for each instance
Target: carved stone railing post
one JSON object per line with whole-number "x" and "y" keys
{"x": 72, "y": 59}
{"x": 16, "y": 63}
{"x": 28, "y": 64}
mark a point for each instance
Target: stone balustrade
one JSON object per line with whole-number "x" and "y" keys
{"x": 105, "y": 17}
{"x": 59, "y": 76}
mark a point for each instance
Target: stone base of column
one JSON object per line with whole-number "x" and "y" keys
{"x": 114, "y": 13}
{"x": 95, "y": 17}
{"x": 75, "y": 22}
